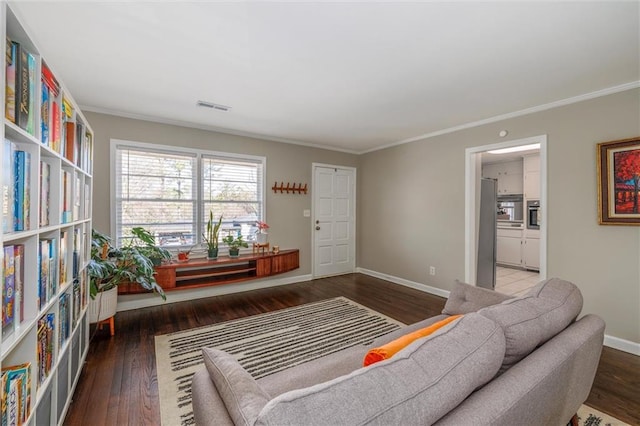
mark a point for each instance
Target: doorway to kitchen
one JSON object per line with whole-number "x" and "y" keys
{"x": 514, "y": 242}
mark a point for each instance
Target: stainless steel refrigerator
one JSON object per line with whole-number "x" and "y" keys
{"x": 487, "y": 230}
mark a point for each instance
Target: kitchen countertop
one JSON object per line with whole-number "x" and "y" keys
{"x": 510, "y": 225}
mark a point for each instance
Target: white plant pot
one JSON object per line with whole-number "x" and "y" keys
{"x": 103, "y": 306}
{"x": 261, "y": 238}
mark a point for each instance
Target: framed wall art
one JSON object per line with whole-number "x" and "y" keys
{"x": 619, "y": 182}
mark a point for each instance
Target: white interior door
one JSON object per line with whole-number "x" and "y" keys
{"x": 334, "y": 220}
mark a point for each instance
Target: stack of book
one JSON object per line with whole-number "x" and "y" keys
{"x": 16, "y": 188}
{"x": 48, "y": 261}
{"x": 16, "y": 394}
{"x": 45, "y": 342}
{"x": 63, "y": 319}
{"x": 12, "y": 288}
{"x": 20, "y": 86}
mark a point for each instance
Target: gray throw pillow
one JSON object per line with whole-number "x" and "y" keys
{"x": 533, "y": 319}
{"x": 465, "y": 298}
{"x": 242, "y": 396}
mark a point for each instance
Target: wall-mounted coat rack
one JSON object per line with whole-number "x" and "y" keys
{"x": 289, "y": 188}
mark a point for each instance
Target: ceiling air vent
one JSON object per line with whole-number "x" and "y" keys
{"x": 205, "y": 104}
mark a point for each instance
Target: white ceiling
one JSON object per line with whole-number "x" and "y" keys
{"x": 353, "y": 76}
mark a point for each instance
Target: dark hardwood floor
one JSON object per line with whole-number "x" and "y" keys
{"x": 118, "y": 384}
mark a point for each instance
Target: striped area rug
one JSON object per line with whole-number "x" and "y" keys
{"x": 263, "y": 344}
{"x": 588, "y": 416}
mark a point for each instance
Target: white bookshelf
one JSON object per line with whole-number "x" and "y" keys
{"x": 68, "y": 231}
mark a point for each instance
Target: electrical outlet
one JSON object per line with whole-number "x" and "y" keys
{"x": 432, "y": 270}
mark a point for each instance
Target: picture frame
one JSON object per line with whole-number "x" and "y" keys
{"x": 618, "y": 164}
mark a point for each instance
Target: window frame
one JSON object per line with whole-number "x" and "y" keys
{"x": 198, "y": 154}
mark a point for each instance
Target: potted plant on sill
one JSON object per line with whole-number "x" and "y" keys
{"x": 261, "y": 234}
{"x": 211, "y": 237}
{"x": 145, "y": 242}
{"x": 234, "y": 244}
{"x": 109, "y": 267}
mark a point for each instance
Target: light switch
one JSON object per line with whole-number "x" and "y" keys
{"x": 306, "y": 213}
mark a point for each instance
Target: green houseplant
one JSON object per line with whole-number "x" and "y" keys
{"x": 110, "y": 266}
{"x": 145, "y": 242}
{"x": 234, "y": 244}
{"x": 211, "y": 236}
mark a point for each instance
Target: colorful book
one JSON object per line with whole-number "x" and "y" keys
{"x": 7, "y": 187}
{"x": 45, "y": 343}
{"x": 23, "y": 90}
{"x": 77, "y": 308}
{"x": 31, "y": 114}
{"x": 55, "y": 127}
{"x": 77, "y": 198}
{"x": 63, "y": 319}
{"x": 50, "y": 80}
{"x": 70, "y": 135}
{"x": 64, "y": 240}
{"x": 18, "y": 263}
{"x": 66, "y": 197}
{"x": 44, "y": 115}
{"x": 10, "y": 87}
{"x": 45, "y": 195}
{"x": 22, "y": 165}
{"x": 43, "y": 273}
{"x": 16, "y": 385}
{"x": 26, "y": 205}
{"x": 8, "y": 290}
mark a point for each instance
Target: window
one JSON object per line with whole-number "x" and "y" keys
{"x": 171, "y": 191}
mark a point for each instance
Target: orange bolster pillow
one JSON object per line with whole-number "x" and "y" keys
{"x": 387, "y": 351}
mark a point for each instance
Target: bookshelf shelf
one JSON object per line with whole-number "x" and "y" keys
{"x": 46, "y": 188}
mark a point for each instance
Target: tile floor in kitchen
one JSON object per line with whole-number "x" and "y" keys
{"x": 515, "y": 282}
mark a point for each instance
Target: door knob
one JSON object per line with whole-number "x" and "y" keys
{"x": 317, "y": 222}
{"x": 317, "y": 228}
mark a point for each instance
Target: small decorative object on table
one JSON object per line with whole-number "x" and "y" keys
{"x": 257, "y": 248}
{"x": 276, "y": 249}
{"x": 183, "y": 256}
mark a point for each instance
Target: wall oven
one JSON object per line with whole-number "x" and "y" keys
{"x": 533, "y": 214}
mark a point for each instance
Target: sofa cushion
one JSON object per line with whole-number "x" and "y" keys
{"x": 529, "y": 321}
{"x": 242, "y": 396}
{"x": 425, "y": 380}
{"x": 390, "y": 349}
{"x": 465, "y": 298}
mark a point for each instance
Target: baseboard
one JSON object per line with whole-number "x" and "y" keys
{"x": 418, "y": 286}
{"x": 609, "y": 341}
{"x": 137, "y": 301}
{"x": 622, "y": 344}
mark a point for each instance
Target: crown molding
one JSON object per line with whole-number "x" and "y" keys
{"x": 222, "y": 130}
{"x": 563, "y": 102}
{"x": 568, "y": 101}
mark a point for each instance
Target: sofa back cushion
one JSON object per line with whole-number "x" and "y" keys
{"x": 529, "y": 321}
{"x": 424, "y": 381}
{"x": 465, "y": 298}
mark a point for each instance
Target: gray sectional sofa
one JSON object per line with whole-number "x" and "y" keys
{"x": 506, "y": 361}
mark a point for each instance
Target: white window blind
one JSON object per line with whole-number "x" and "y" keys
{"x": 171, "y": 193}
{"x": 233, "y": 187}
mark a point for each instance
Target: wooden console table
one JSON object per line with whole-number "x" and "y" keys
{"x": 224, "y": 270}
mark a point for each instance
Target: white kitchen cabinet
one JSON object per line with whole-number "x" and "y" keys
{"x": 508, "y": 175}
{"x": 531, "y": 253}
{"x": 532, "y": 177}
{"x": 509, "y": 247}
